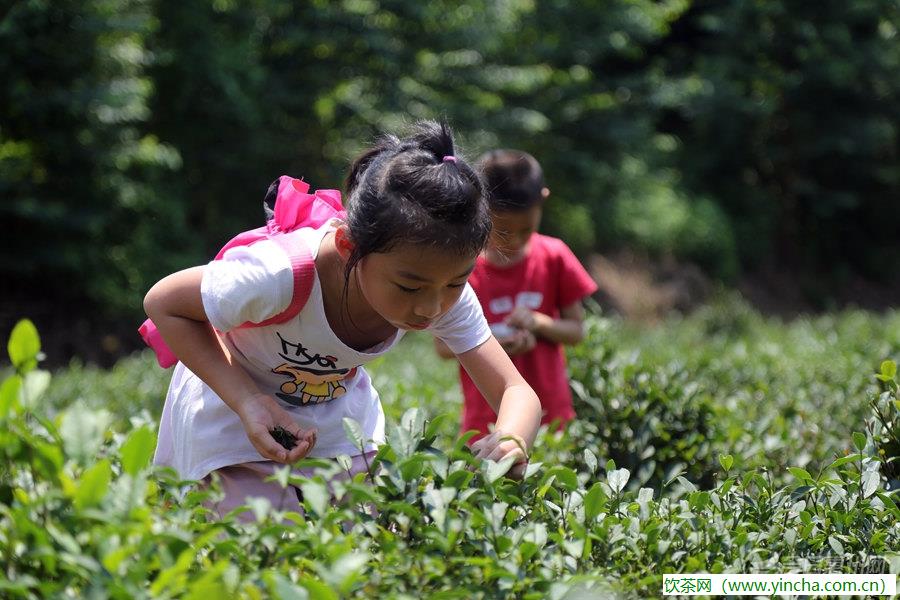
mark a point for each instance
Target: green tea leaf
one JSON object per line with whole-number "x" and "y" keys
{"x": 836, "y": 545}
{"x": 594, "y": 501}
{"x": 316, "y": 496}
{"x": 317, "y": 590}
{"x": 565, "y": 476}
{"x": 284, "y": 589}
{"x": 413, "y": 421}
{"x": 698, "y": 500}
{"x": 870, "y": 481}
{"x": 34, "y": 385}
{"x": 93, "y": 485}
{"x": 790, "y": 536}
{"x": 9, "y": 396}
{"x": 459, "y": 479}
{"x": 435, "y": 424}
{"x": 24, "y": 346}
{"x": 412, "y": 467}
{"x": 801, "y": 474}
{"x": 591, "y": 461}
{"x": 617, "y": 479}
{"x": 843, "y": 461}
{"x": 726, "y": 460}
{"x": 354, "y": 433}
{"x": 496, "y": 470}
{"x": 137, "y": 450}
{"x": 82, "y": 431}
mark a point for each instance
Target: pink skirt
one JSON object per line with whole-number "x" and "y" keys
{"x": 247, "y": 480}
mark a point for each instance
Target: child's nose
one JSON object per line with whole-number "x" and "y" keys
{"x": 429, "y": 308}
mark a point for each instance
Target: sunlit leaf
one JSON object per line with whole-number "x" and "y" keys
{"x": 93, "y": 485}
{"x": 137, "y": 450}
{"x": 24, "y": 345}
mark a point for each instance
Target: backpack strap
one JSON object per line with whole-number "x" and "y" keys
{"x": 294, "y": 208}
{"x": 303, "y": 268}
{"x": 153, "y": 338}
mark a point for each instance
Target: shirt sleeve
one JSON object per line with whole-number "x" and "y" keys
{"x": 248, "y": 284}
{"x": 574, "y": 281}
{"x": 463, "y": 327}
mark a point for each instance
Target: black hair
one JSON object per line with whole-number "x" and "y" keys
{"x": 416, "y": 191}
{"x": 269, "y": 200}
{"x": 514, "y": 180}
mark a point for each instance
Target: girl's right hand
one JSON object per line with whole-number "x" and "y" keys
{"x": 499, "y": 445}
{"x": 260, "y": 414}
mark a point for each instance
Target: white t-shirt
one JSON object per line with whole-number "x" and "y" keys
{"x": 316, "y": 377}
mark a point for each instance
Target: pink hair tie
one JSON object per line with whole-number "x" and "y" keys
{"x": 450, "y": 159}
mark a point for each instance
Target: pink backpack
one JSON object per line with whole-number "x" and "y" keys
{"x": 294, "y": 208}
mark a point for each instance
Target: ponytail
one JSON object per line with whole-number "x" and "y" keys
{"x": 415, "y": 190}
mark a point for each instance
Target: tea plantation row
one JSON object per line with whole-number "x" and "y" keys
{"x": 718, "y": 442}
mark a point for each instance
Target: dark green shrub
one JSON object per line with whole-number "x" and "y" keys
{"x": 651, "y": 419}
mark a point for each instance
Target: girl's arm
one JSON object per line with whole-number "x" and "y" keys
{"x": 517, "y": 406}
{"x": 176, "y": 308}
{"x": 522, "y": 341}
{"x": 443, "y": 349}
{"x": 568, "y": 329}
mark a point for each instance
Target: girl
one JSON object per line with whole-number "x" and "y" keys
{"x": 399, "y": 261}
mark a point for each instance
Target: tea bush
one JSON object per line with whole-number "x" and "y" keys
{"x": 885, "y": 424}
{"x": 731, "y": 486}
{"x": 774, "y": 395}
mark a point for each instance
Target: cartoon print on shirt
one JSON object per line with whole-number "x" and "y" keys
{"x": 314, "y": 385}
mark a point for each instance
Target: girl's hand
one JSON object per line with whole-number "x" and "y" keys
{"x": 499, "y": 445}
{"x": 260, "y": 414}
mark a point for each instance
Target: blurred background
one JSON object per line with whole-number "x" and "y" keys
{"x": 690, "y": 146}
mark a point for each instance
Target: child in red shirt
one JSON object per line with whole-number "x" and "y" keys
{"x": 530, "y": 287}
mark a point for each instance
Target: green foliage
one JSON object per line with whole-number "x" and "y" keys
{"x": 725, "y": 381}
{"x": 654, "y": 421}
{"x": 885, "y": 425}
{"x": 650, "y": 212}
{"x": 83, "y": 513}
{"x": 783, "y": 117}
{"x": 24, "y": 346}
{"x": 730, "y": 134}
{"x": 75, "y": 159}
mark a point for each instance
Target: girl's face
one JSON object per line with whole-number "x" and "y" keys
{"x": 412, "y": 286}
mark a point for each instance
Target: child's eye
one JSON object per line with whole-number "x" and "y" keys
{"x": 406, "y": 289}
{"x": 456, "y": 285}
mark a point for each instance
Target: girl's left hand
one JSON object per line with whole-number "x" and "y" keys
{"x": 499, "y": 445}
{"x": 260, "y": 414}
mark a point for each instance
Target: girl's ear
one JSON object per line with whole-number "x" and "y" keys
{"x": 545, "y": 193}
{"x": 343, "y": 243}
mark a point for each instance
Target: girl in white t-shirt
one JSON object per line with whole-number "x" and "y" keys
{"x": 417, "y": 219}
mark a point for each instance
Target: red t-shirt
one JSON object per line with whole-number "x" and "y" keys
{"x": 547, "y": 279}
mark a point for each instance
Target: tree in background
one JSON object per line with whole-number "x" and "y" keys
{"x": 82, "y": 218}
{"x": 138, "y": 135}
{"x": 791, "y": 124}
